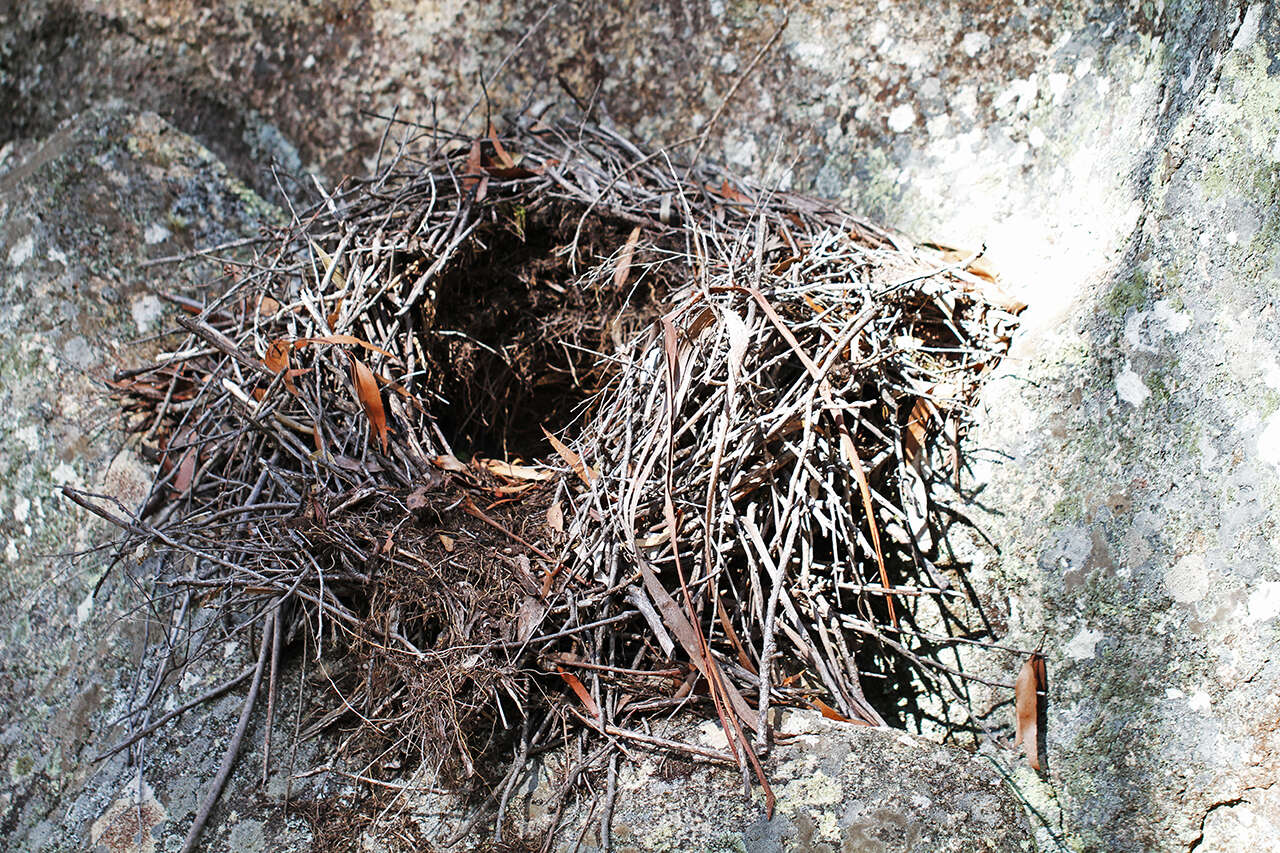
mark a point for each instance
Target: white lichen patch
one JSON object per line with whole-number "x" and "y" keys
{"x": 1133, "y": 332}
{"x": 64, "y": 475}
{"x": 797, "y": 768}
{"x": 1175, "y": 321}
{"x": 974, "y": 43}
{"x": 810, "y": 52}
{"x": 22, "y": 251}
{"x": 146, "y": 311}
{"x": 742, "y": 150}
{"x": 1058, "y": 83}
{"x": 660, "y": 835}
{"x": 1249, "y": 27}
{"x": 1187, "y": 580}
{"x": 1131, "y": 389}
{"x": 1021, "y": 93}
{"x": 1271, "y": 374}
{"x": 156, "y": 233}
{"x": 84, "y": 608}
{"x": 1269, "y": 441}
{"x": 1083, "y": 645}
{"x": 799, "y": 722}
{"x": 712, "y": 735}
{"x": 29, "y": 436}
{"x": 939, "y": 126}
{"x": 1264, "y": 602}
{"x": 901, "y": 118}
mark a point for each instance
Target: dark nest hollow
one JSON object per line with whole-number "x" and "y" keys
{"x": 534, "y": 438}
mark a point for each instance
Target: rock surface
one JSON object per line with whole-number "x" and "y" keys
{"x": 1120, "y": 161}
{"x": 79, "y": 211}
{"x": 838, "y": 788}
{"x": 1138, "y": 502}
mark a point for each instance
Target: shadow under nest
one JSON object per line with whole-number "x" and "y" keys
{"x": 538, "y": 438}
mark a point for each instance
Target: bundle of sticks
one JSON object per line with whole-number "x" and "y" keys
{"x": 545, "y": 436}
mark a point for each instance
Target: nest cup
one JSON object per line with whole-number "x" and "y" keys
{"x": 535, "y": 438}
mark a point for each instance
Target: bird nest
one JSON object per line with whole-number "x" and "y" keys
{"x": 536, "y": 437}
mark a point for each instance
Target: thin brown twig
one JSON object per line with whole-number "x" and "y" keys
{"x": 190, "y": 843}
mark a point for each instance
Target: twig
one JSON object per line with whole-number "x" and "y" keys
{"x": 733, "y": 90}
{"x": 233, "y": 748}
{"x": 212, "y": 693}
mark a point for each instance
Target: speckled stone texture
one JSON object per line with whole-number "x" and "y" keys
{"x": 839, "y": 788}
{"x": 79, "y": 211}
{"x": 1120, "y": 161}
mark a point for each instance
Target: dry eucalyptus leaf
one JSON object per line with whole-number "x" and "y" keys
{"x": 370, "y": 398}
{"x": 1029, "y": 698}
{"x": 529, "y": 617}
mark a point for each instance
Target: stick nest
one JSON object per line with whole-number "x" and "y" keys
{"x": 534, "y": 438}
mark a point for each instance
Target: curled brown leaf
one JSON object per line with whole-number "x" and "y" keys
{"x": 277, "y": 357}
{"x": 582, "y": 469}
{"x": 370, "y": 398}
{"x": 501, "y": 468}
{"x": 580, "y": 690}
{"x": 624, "y": 263}
{"x": 1029, "y": 699}
{"x": 187, "y": 466}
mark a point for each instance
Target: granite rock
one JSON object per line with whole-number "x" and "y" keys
{"x": 79, "y": 213}
{"x": 838, "y": 787}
